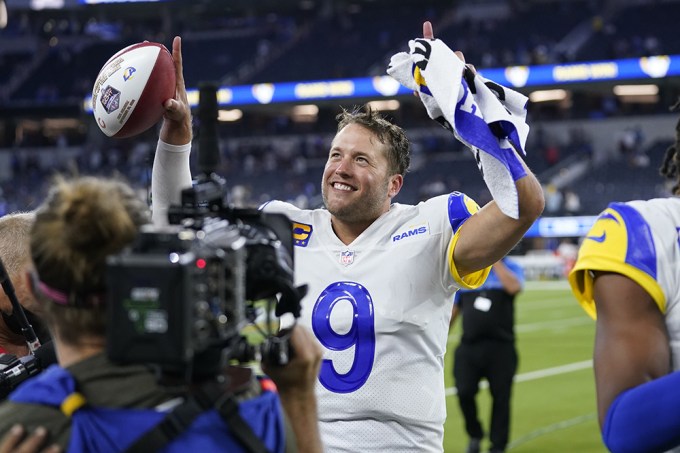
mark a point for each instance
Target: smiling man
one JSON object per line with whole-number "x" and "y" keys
{"x": 381, "y": 279}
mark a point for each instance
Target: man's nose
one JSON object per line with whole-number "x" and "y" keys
{"x": 344, "y": 166}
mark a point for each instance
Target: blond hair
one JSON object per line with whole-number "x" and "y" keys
{"x": 80, "y": 223}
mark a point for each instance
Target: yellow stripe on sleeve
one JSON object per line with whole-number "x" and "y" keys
{"x": 605, "y": 248}
{"x": 470, "y": 281}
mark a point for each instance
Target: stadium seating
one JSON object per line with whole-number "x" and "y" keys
{"x": 335, "y": 40}
{"x": 621, "y": 179}
{"x": 637, "y": 30}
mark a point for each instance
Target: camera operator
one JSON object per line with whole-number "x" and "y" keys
{"x": 95, "y": 218}
{"x": 88, "y": 403}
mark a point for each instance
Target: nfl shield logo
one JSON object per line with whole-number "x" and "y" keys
{"x": 346, "y": 257}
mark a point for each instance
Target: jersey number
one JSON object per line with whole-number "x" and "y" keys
{"x": 361, "y": 335}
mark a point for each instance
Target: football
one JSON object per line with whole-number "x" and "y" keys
{"x": 129, "y": 92}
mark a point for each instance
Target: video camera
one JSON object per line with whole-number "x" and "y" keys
{"x": 181, "y": 295}
{"x": 13, "y": 369}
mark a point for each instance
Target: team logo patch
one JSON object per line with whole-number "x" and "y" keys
{"x": 128, "y": 73}
{"x": 417, "y": 230}
{"x": 110, "y": 99}
{"x": 346, "y": 257}
{"x": 301, "y": 234}
{"x": 608, "y": 216}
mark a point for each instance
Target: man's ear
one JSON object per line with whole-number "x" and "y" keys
{"x": 395, "y": 185}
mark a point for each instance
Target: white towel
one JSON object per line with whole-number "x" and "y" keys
{"x": 488, "y": 118}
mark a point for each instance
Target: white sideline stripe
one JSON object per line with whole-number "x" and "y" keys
{"x": 538, "y": 374}
{"x": 562, "y": 369}
{"x": 552, "y": 428}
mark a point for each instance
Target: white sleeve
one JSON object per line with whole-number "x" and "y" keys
{"x": 170, "y": 175}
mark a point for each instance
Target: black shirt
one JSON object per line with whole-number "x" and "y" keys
{"x": 487, "y": 315}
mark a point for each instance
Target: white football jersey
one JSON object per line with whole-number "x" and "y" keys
{"x": 380, "y": 307}
{"x": 641, "y": 240}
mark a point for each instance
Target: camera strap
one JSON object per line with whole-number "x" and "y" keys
{"x": 182, "y": 416}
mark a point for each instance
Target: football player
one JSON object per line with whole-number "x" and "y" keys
{"x": 381, "y": 279}
{"x": 627, "y": 277}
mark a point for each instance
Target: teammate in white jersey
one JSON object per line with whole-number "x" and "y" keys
{"x": 627, "y": 276}
{"x": 381, "y": 278}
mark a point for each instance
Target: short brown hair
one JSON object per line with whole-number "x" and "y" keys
{"x": 388, "y": 133}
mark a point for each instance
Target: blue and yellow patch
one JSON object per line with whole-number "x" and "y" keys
{"x": 127, "y": 74}
{"x": 620, "y": 241}
{"x": 621, "y": 235}
{"x": 461, "y": 207}
{"x": 301, "y": 234}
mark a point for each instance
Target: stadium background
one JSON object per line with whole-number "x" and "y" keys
{"x": 600, "y": 75}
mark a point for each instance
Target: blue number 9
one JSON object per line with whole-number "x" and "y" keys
{"x": 361, "y": 335}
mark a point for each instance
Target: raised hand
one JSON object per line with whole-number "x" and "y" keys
{"x": 176, "y": 129}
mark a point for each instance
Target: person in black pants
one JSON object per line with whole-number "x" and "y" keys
{"x": 487, "y": 350}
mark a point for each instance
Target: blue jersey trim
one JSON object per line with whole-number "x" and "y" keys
{"x": 644, "y": 418}
{"x": 641, "y": 252}
{"x": 458, "y": 210}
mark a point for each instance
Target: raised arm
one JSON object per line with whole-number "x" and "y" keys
{"x": 489, "y": 235}
{"x": 171, "y": 172}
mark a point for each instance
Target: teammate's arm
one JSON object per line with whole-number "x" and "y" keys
{"x": 637, "y": 398}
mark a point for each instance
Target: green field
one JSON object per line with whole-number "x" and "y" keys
{"x": 553, "y": 406}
